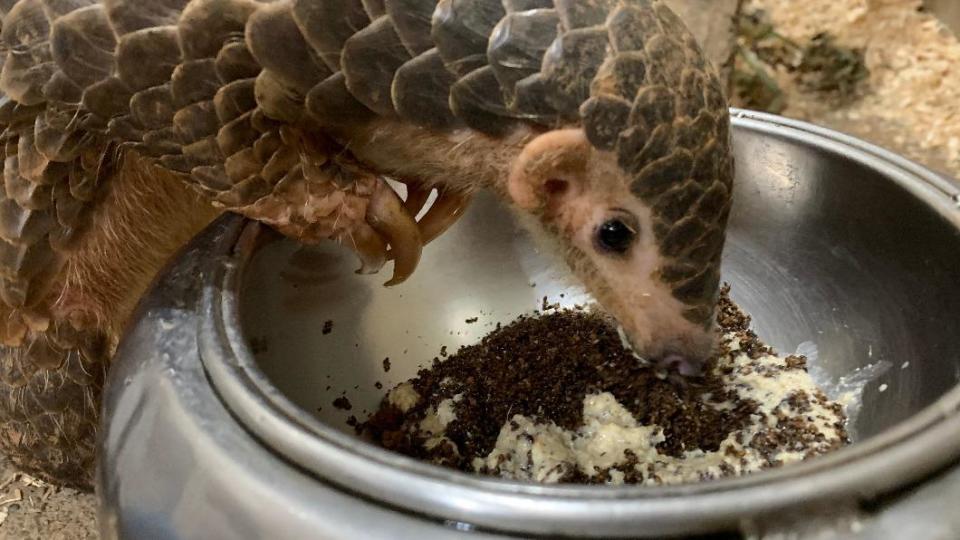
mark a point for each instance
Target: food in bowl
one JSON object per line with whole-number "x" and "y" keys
{"x": 557, "y": 398}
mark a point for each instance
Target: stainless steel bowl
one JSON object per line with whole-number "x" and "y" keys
{"x": 834, "y": 244}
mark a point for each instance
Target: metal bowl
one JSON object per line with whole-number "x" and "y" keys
{"x": 835, "y": 246}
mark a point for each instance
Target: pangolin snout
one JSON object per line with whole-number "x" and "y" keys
{"x": 685, "y": 356}
{"x": 687, "y": 366}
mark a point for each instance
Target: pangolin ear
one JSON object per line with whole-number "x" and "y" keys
{"x": 550, "y": 169}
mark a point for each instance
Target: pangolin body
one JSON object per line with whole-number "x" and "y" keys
{"x": 256, "y": 105}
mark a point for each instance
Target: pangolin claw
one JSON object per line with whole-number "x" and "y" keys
{"x": 369, "y": 246}
{"x": 388, "y": 217}
{"x": 444, "y": 212}
{"x": 417, "y": 197}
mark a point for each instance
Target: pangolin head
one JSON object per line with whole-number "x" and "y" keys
{"x": 636, "y": 191}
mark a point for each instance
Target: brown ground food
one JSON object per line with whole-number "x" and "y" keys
{"x": 543, "y": 367}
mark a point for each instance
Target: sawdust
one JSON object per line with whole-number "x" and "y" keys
{"x": 912, "y": 100}
{"x": 31, "y": 509}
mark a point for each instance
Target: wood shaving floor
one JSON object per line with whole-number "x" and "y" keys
{"x": 31, "y": 509}
{"x": 912, "y": 104}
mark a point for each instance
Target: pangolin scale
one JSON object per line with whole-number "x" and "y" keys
{"x": 256, "y": 106}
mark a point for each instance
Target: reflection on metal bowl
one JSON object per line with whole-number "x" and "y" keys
{"x": 834, "y": 246}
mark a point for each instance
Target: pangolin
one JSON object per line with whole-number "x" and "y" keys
{"x": 127, "y": 125}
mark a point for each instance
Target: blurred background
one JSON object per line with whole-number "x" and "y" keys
{"x": 886, "y": 71}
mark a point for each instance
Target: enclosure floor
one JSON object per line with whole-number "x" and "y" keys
{"x": 34, "y": 510}
{"x": 912, "y": 103}
{"x": 911, "y": 107}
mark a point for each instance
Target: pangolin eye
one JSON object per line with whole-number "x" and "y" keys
{"x": 616, "y": 235}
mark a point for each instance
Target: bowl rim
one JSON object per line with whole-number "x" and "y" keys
{"x": 918, "y": 446}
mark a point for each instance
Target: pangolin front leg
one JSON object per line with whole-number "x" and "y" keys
{"x": 319, "y": 192}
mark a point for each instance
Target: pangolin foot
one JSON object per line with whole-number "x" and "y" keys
{"x": 443, "y": 213}
{"x": 394, "y": 223}
{"x": 396, "y": 226}
{"x": 326, "y": 194}
{"x": 446, "y": 209}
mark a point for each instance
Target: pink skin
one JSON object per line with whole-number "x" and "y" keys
{"x": 573, "y": 188}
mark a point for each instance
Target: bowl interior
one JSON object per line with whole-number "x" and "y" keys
{"x": 841, "y": 258}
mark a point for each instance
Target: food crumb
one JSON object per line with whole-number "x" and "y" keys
{"x": 378, "y": 385}
{"x": 327, "y": 327}
{"x": 905, "y": 365}
{"x": 386, "y": 364}
{"x": 472, "y": 320}
{"x": 342, "y": 403}
{"x": 882, "y": 388}
{"x": 547, "y": 306}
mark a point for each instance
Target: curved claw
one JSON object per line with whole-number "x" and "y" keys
{"x": 387, "y": 215}
{"x": 369, "y": 246}
{"x": 417, "y": 196}
{"x": 446, "y": 210}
